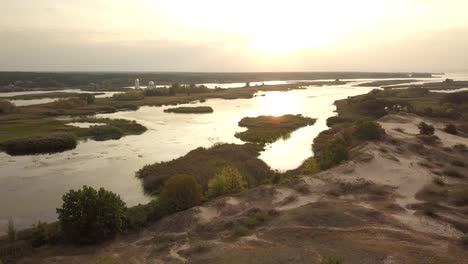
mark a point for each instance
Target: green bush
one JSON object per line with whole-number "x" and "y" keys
{"x": 106, "y": 132}
{"x": 451, "y": 129}
{"x": 227, "y": 181}
{"x": 179, "y": 193}
{"x": 334, "y": 152}
{"x": 40, "y": 144}
{"x": 369, "y": 130}
{"x": 425, "y": 129}
{"x": 141, "y": 215}
{"x": 216, "y": 186}
{"x": 90, "y": 216}
{"x": 6, "y": 107}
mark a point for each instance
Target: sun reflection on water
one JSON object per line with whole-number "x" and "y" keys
{"x": 277, "y": 104}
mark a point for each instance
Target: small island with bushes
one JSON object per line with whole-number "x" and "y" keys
{"x": 190, "y": 110}
{"x": 58, "y": 136}
{"x": 268, "y": 129}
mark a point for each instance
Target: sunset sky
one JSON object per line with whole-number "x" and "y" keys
{"x": 241, "y": 35}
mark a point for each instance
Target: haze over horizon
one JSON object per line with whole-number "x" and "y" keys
{"x": 242, "y": 36}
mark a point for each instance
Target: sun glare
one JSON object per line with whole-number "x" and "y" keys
{"x": 277, "y": 104}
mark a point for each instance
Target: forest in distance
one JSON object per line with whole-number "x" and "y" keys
{"x": 19, "y": 81}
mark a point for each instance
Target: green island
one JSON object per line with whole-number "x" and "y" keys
{"x": 203, "y": 163}
{"x": 50, "y": 135}
{"x": 190, "y": 110}
{"x": 268, "y": 129}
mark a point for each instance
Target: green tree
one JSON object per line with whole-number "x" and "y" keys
{"x": 451, "y": 129}
{"x": 227, "y": 181}
{"x": 425, "y": 129}
{"x": 216, "y": 186}
{"x": 369, "y": 130}
{"x": 179, "y": 193}
{"x": 89, "y": 216}
{"x": 235, "y": 182}
{"x": 334, "y": 153}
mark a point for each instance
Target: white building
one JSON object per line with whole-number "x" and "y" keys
{"x": 151, "y": 84}
{"x": 137, "y": 84}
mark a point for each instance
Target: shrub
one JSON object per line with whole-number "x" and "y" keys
{"x": 453, "y": 173}
{"x": 451, "y": 129}
{"x": 216, "y": 186}
{"x": 43, "y": 233}
{"x": 430, "y": 140}
{"x": 234, "y": 180}
{"x": 369, "y": 130}
{"x": 461, "y": 197}
{"x": 179, "y": 193}
{"x": 89, "y": 216}
{"x": 40, "y": 144}
{"x": 240, "y": 230}
{"x": 106, "y": 132}
{"x": 141, "y": 215}
{"x": 227, "y": 181}
{"x": 6, "y": 107}
{"x": 334, "y": 153}
{"x": 425, "y": 129}
{"x": 458, "y": 163}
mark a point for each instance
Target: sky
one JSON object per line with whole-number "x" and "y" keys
{"x": 241, "y": 35}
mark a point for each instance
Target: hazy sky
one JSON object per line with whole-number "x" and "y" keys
{"x": 240, "y": 35}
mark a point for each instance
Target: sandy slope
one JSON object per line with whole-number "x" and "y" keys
{"x": 362, "y": 211}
